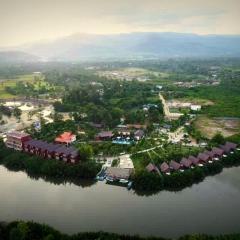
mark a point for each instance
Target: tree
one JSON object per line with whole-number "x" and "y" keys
{"x": 15, "y": 234}
{"x": 85, "y": 152}
{"x": 17, "y": 112}
{"x": 218, "y": 139}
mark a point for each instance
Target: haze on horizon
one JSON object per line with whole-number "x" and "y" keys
{"x": 33, "y": 20}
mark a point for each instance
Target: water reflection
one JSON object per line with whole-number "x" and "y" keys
{"x": 208, "y": 207}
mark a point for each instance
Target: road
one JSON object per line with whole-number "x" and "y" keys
{"x": 168, "y": 115}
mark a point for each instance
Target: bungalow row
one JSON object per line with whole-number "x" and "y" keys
{"x": 206, "y": 157}
{"x": 50, "y": 150}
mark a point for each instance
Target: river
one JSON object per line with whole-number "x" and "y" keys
{"x": 212, "y": 206}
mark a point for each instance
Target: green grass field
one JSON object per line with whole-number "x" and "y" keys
{"x": 39, "y": 83}
{"x": 12, "y": 83}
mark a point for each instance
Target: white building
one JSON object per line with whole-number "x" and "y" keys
{"x": 195, "y": 107}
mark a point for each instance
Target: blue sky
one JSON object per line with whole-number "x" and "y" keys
{"x": 23, "y": 21}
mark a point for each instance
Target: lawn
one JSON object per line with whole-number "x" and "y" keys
{"x": 12, "y": 83}
{"x": 37, "y": 83}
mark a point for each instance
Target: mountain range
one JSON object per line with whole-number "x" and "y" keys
{"x": 142, "y": 45}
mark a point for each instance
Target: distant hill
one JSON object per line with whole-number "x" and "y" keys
{"x": 16, "y": 56}
{"x": 136, "y": 45}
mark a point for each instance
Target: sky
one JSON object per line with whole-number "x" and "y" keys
{"x": 25, "y": 21}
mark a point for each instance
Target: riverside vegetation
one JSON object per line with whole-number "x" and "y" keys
{"x": 146, "y": 181}
{"x": 19, "y": 230}
{"x": 47, "y": 169}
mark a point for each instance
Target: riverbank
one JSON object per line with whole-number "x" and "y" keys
{"x": 154, "y": 182}
{"x": 48, "y": 169}
{"x": 144, "y": 183}
{"x": 29, "y": 230}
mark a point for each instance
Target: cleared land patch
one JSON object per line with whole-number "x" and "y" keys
{"x": 210, "y": 126}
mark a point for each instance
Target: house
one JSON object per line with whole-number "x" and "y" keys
{"x": 228, "y": 147}
{"x": 16, "y": 140}
{"x": 105, "y": 135}
{"x": 152, "y": 168}
{"x": 136, "y": 126}
{"x": 195, "y": 107}
{"x": 66, "y": 138}
{"x": 210, "y": 154}
{"x": 174, "y": 165}
{"x": 96, "y": 125}
{"x": 203, "y": 158}
{"x": 218, "y": 152}
{"x": 139, "y": 134}
{"x": 165, "y": 167}
{"x": 146, "y": 107}
{"x": 194, "y": 160}
{"x": 159, "y": 87}
{"x": 115, "y": 173}
{"x": 186, "y": 162}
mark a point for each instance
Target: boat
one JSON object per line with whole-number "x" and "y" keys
{"x": 123, "y": 181}
{"x": 109, "y": 179}
{"x": 129, "y": 186}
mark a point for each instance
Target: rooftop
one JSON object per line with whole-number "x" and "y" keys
{"x": 16, "y": 134}
{"x": 105, "y": 134}
{"x": 186, "y": 162}
{"x": 119, "y": 173}
{"x": 174, "y": 165}
{"x": 66, "y": 137}
{"x": 164, "y": 167}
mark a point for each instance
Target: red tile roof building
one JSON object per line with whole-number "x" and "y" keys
{"x": 66, "y": 138}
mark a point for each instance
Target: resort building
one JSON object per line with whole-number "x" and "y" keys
{"x": 139, "y": 134}
{"x": 174, "y": 165}
{"x": 194, "y": 160}
{"x": 66, "y": 138}
{"x": 218, "y": 152}
{"x": 152, "y": 168}
{"x": 185, "y": 163}
{"x": 115, "y": 173}
{"x": 195, "y": 107}
{"x": 203, "y": 158}
{"x": 16, "y": 140}
{"x": 228, "y": 147}
{"x": 106, "y": 135}
{"x": 165, "y": 168}
{"x": 51, "y": 151}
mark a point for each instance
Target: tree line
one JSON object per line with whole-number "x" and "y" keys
{"x": 20, "y": 230}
